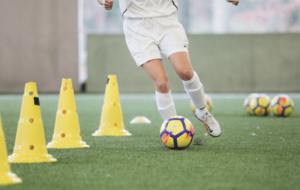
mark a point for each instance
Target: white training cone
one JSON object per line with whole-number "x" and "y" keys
{"x": 140, "y": 119}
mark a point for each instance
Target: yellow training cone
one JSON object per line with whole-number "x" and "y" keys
{"x": 67, "y": 131}
{"x": 30, "y": 144}
{"x": 6, "y": 176}
{"x": 111, "y": 123}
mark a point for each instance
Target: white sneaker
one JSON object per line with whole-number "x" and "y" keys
{"x": 210, "y": 123}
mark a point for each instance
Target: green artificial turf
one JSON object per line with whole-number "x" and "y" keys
{"x": 269, "y": 160}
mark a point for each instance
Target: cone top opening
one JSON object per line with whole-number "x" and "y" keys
{"x": 112, "y": 79}
{"x": 31, "y": 89}
{"x": 66, "y": 84}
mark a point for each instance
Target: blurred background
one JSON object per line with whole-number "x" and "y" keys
{"x": 252, "y": 47}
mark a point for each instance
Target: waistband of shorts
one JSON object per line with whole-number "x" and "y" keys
{"x": 152, "y": 18}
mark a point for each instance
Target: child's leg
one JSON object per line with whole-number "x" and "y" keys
{"x": 190, "y": 80}
{"x": 164, "y": 100}
{"x": 195, "y": 90}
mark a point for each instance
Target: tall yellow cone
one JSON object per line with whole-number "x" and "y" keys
{"x": 30, "y": 144}
{"x": 111, "y": 123}
{"x": 6, "y": 176}
{"x": 67, "y": 131}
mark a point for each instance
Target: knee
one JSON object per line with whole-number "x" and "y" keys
{"x": 162, "y": 85}
{"x": 186, "y": 74}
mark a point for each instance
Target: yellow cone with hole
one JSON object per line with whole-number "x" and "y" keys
{"x": 67, "y": 130}
{"x": 6, "y": 176}
{"x": 30, "y": 144}
{"x": 111, "y": 123}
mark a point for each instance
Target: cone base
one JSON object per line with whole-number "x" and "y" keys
{"x": 15, "y": 158}
{"x": 9, "y": 178}
{"x": 67, "y": 144}
{"x": 110, "y": 132}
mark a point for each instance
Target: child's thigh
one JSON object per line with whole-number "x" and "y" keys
{"x": 142, "y": 47}
{"x": 174, "y": 38}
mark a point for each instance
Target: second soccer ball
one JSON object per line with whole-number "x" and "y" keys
{"x": 282, "y": 105}
{"x": 209, "y": 103}
{"x": 260, "y": 105}
{"x": 247, "y": 103}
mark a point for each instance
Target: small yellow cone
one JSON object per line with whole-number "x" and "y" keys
{"x": 111, "y": 123}
{"x": 67, "y": 130}
{"x": 30, "y": 144}
{"x": 140, "y": 119}
{"x": 6, "y": 176}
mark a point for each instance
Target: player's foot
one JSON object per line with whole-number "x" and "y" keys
{"x": 211, "y": 124}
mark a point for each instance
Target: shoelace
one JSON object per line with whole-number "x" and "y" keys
{"x": 206, "y": 119}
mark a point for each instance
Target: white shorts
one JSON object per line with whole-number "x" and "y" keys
{"x": 147, "y": 38}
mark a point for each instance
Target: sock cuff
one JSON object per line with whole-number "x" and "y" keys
{"x": 192, "y": 85}
{"x": 164, "y": 100}
{"x": 167, "y": 107}
{"x": 193, "y": 90}
{"x": 163, "y": 95}
{"x": 191, "y": 80}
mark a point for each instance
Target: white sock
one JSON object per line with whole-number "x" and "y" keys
{"x": 195, "y": 90}
{"x": 165, "y": 105}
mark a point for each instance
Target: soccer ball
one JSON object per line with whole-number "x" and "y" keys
{"x": 247, "y": 103}
{"x": 209, "y": 103}
{"x": 260, "y": 105}
{"x": 177, "y": 132}
{"x": 282, "y": 105}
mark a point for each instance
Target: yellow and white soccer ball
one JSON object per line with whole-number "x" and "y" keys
{"x": 177, "y": 132}
{"x": 247, "y": 103}
{"x": 282, "y": 105}
{"x": 209, "y": 103}
{"x": 260, "y": 105}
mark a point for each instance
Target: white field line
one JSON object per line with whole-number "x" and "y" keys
{"x": 141, "y": 96}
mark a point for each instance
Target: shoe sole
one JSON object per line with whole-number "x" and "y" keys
{"x": 207, "y": 128}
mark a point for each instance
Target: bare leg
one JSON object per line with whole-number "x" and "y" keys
{"x": 181, "y": 64}
{"x": 190, "y": 79}
{"x": 157, "y": 73}
{"x": 164, "y": 100}
{"x": 195, "y": 90}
